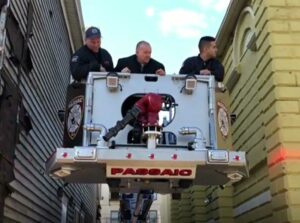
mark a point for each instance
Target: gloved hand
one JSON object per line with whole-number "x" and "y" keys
{"x": 126, "y": 70}
{"x": 205, "y": 72}
{"x": 160, "y": 72}
{"x": 102, "y": 69}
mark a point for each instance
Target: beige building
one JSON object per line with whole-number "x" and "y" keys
{"x": 259, "y": 45}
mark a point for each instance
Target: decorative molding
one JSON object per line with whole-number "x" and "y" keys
{"x": 228, "y": 25}
{"x": 245, "y": 22}
{"x": 233, "y": 78}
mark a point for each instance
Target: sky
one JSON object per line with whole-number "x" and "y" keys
{"x": 172, "y": 27}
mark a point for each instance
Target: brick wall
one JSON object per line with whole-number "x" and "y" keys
{"x": 283, "y": 116}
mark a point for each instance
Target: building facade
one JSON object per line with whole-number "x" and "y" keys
{"x": 41, "y": 37}
{"x": 260, "y": 49}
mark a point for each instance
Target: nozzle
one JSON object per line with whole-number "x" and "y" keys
{"x": 130, "y": 115}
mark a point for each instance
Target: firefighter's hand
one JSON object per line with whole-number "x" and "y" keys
{"x": 102, "y": 69}
{"x": 205, "y": 72}
{"x": 126, "y": 70}
{"x": 160, "y": 72}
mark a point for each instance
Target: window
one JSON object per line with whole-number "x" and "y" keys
{"x": 244, "y": 32}
{"x": 114, "y": 216}
{"x": 153, "y": 216}
{"x": 20, "y": 53}
{"x": 245, "y": 41}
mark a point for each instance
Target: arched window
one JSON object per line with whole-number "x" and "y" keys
{"x": 244, "y": 35}
{"x": 244, "y": 40}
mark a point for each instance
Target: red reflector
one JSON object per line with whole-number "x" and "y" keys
{"x": 129, "y": 155}
{"x": 65, "y": 155}
{"x": 151, "y": 156}
{"x": 174, "y": 157}
{"x": 237, "y": 158}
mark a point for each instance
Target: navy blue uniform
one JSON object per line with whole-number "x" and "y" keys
{"x": 193, "y": 65}
{"x": 135, "y": 67}
{"x": 84, "y": 60}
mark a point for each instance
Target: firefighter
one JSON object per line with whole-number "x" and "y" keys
{"x": 205, "y": 63}
{"x": 141, "y": 62}
{"x": 90, "y": 57}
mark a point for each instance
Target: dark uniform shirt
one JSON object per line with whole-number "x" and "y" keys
{"x": 84, "y": 61}
{"x": 193, "y": 65}
{"x": 135, "y": 67}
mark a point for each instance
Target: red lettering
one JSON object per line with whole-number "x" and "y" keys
{"x": 151, "y": 172}
{"x": 167, "y": 172}
{"x": 141, "y": 171}
{"x": 129, "y": 171}
{"x": 176, "y": 172}
{"x": 185, "y": 172}
{"x": 115, "y": 171}
{"x": 154, "y": 172}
